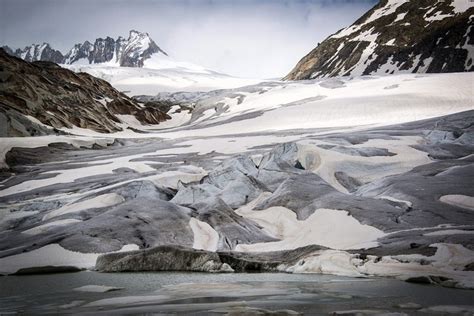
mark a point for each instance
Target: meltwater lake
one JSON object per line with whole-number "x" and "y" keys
{"x": 165, "y": 293}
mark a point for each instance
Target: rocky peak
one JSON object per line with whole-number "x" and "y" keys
{"x": 36, "y": 52}
{"x": 138, "y": 47}
{"x": 79, "y": 53}
{"x": 414, "y": 36}
{"x": 8, "y": 50}
{"x": 103, "y": 50}
{"x": 131, "y": 52}
{"x": 134, "y": 34}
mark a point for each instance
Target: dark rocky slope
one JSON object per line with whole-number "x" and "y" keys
{"x": 37, "y": 98}
{"x": 415, "y": 36}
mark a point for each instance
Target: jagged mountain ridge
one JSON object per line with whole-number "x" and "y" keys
{"x": 39, "y": 98}
{"x": 131, "y": 52}
{"x": 36, "y": 52}
{"x": 413, "y": 36}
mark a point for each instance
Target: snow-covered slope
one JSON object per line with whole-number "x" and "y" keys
{"x": 331, "y": 103}
{"x": 397, "y": 36}
{"x": 162, "y": 73}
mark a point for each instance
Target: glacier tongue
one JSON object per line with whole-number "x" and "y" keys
{"x": 379, "y": 169}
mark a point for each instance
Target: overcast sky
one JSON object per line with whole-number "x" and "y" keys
{"x": 247, "y": 38}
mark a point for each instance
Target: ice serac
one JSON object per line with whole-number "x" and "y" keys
{"x": 397, "y": 36}
{"x": 41, "y": 98}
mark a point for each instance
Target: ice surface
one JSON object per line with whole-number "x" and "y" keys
{"x": 104, "y": 200}
{"x": 44, "y": 228}
{"x": 7, "y": 143}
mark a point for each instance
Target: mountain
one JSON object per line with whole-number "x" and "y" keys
{"x": 397, "y": 36}
{"x": 36, "y": 52}
{"x": 137, "y": 49}
{"x": 119, "y": 61}
{"x": 40, "y": 98}
{"x": 131, "y": 52}
{"x": 79, "y": 53}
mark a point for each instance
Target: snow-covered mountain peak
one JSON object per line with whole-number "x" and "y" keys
{"x": 35, "y": 52}
{"x": 131, "y": 52}
{"x": 135, "y": 34}
{"x": 136, "y": 49}
{"x": 139, "y": 40}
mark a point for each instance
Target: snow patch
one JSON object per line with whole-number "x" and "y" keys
{"x": 450, "y": 232}
{"x": 400, "y": 17}
{"x": 463, "y": 201}
{"x": 385, "y": 197}
{"x": 389, "y": 8}
{"x": 205, "y": 237}
{"x": 330, "y": 228}
{"x": 461, "y": 6}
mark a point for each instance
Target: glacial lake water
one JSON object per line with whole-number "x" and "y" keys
{"x": 165, "y": 293}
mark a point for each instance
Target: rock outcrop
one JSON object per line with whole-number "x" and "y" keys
{"x": 397, "y": 36}
{"x": 39, "y": 98}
